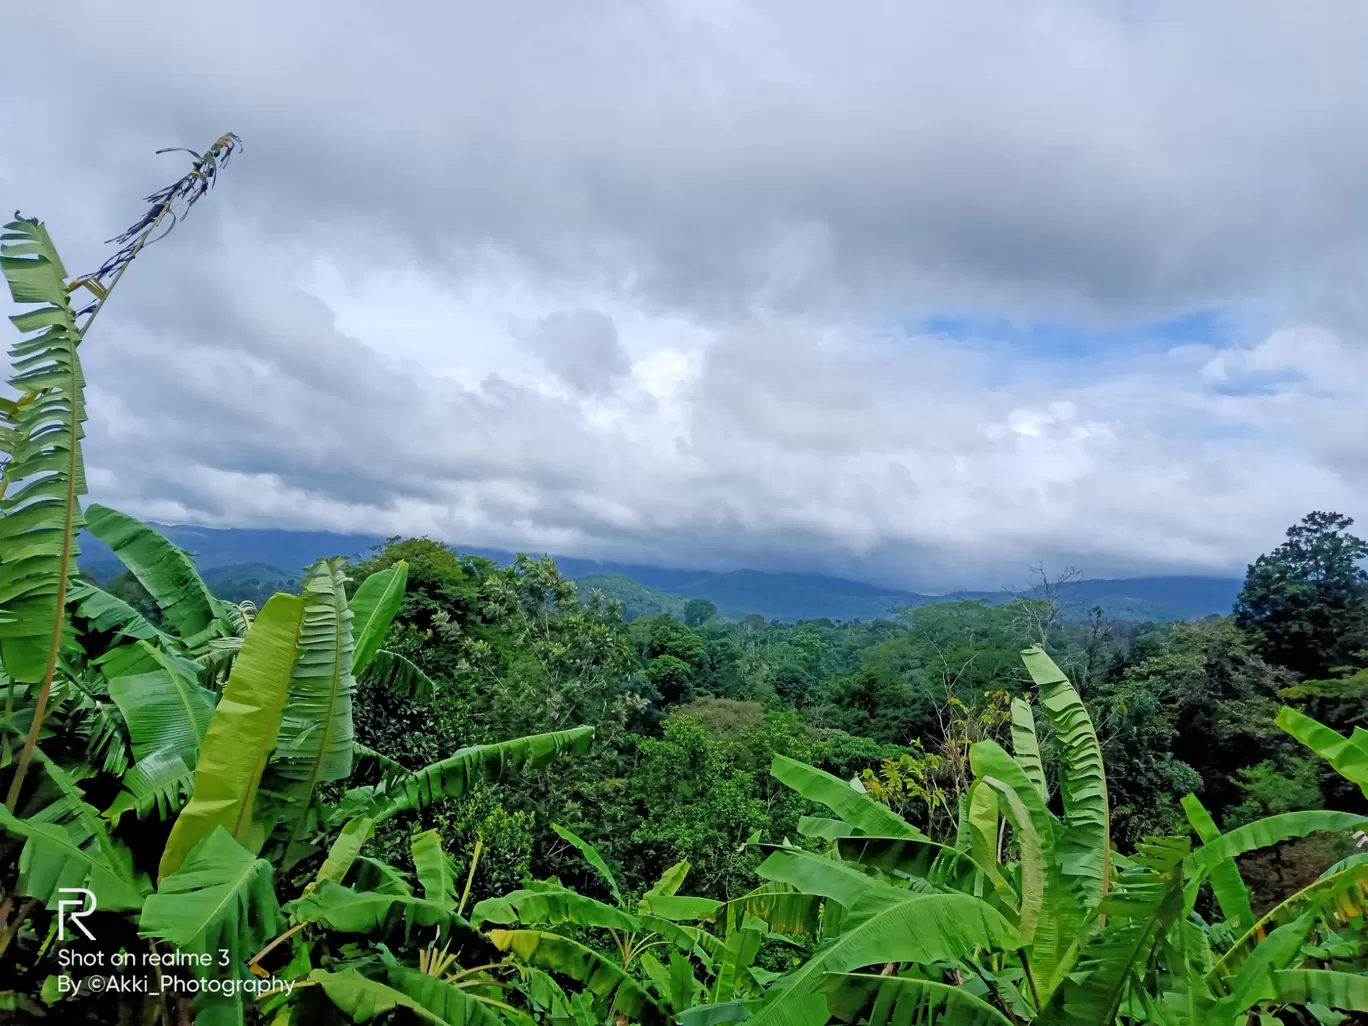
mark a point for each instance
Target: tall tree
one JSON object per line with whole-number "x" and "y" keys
{"x": 1305, "y": 604}
{"x": 699, "y": 611}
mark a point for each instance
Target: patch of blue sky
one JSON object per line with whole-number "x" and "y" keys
{"x": 1054, "y": 340}
{"x": 1255, "y": 383}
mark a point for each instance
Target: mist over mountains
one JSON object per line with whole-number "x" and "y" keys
{"x": 252, "y": 563}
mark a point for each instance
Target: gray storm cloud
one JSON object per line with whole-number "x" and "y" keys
{"x": 643, "y": 281}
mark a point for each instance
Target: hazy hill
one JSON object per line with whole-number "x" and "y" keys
{"x": 240, "y": 563}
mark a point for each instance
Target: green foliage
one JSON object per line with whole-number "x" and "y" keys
{"x": 1305, "y": 604}
{"x": 947, "y": 827}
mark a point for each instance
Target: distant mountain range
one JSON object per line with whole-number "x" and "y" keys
{"x": 249, "y": 563}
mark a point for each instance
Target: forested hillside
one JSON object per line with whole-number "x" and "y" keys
{"x": 249, "y": 563}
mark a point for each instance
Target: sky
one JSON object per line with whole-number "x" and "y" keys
{"x": 921, "y": 294}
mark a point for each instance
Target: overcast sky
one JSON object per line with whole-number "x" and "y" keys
{"x": 920, "y": 293}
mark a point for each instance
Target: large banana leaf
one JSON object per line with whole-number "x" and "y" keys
{"x": 939, "y": 864}
{"x": 435, "y": 870}
{"x": 345, "y": 850}
{"x": 816, "y": 874}
{"x": 1347, "y": 992}
{"x": 1261, "y": 834}
{"x": 438, "y": 1003}
{"x": 923, "y": 928}
{"x": 1348, "y": 755}
{"x": 738, "y": 952}
{"x": 549, "y": 906}
{"x": 53, "y": 858}
{"x": 1254, "y": 981}
{"x": 679, "y": 908}
{"x": 350, "y": 911}
{"x": 40, "y": 435}
{"x": 859, "y": 810}
{"x": 316, "y": 732}
{"x": 373, "y": 607}
{"x": 106, "y": 612}
{"x": 241, "y": 735}
{"x": 220, "y": 899}
{"x": 163, "y": 709}
{"x": 449, "y": 1003}
{"x": 599, "y": 976}
{"x": 884, "y": 1000}
{"x": 165, "y": 571}
{"x": 1231, "y": 893}
{"x": 453, "y": 777}
{"x": 786, "y": 911}
{"x": 1084, "y": 850}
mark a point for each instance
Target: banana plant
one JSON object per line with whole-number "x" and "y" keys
{"x": 673, "y": 956}
{"x": 1030, "y": 916}
{"x": 235, "y": 775}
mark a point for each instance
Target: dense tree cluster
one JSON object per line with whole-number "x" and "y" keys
{"x": 689, "y": 714}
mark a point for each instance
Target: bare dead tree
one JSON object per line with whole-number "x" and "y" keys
{"x": 1041, "y": 607}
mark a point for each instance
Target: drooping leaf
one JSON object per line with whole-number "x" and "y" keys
{"x": 550, "y": 906}
{"x": 53, "y": 858}
{"x": 373, "y": 607}
{"x": 164, "y": 710}
{"x": 161, "y": 782}
{"x": 1231, "y": 893}
{"x": 1260, "y": 834}
{"x": 165, "y": 571}
{"x": 453, "y": 777}
{"x": 436, "y": 871}
{"x": 241, "y": 735}
{"x": 398, "y": 675}
{"x": 220, "y": 899}
{"x": 591, "y": 856}
{"x": 814, "y": 874}
{"x": 108, "y": 613}
{"x": 855, "y": 808}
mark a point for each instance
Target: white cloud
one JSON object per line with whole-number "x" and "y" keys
{"x": 635, "y": 282}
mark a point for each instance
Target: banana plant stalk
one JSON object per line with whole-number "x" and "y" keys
{"x": 51, "y": 407}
